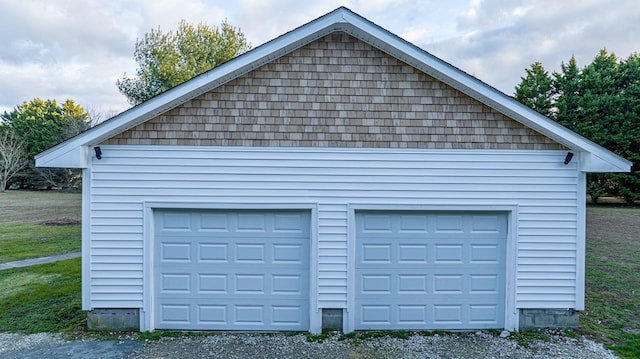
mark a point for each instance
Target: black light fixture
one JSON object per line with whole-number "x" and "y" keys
{"x": 98, "y": 152}
{"x": 568, "y": 158}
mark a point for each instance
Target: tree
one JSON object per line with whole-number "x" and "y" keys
{"x": 627, "y": 137}
{"x": 41, "y": 124}
{"x": 566, "y": 89}
{"x": 168, "y": 59}
{"x": 535, "y": 89}
{"x": 601, "y": 102}
{"x": 12, "y": 156}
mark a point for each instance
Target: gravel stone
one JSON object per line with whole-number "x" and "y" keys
{"x": 461, "y": 345}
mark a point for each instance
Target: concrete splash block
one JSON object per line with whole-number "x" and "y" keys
{"x": 113, "y": 320}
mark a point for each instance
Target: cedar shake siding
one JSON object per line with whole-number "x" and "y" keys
{"x": 336, "y": 92}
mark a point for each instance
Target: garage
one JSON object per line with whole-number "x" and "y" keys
{"x": 231, "y": 270}
{"x": 430, "y": 270}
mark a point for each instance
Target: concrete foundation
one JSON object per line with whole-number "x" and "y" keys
{"x": 332, "y": 319}
{"x": 548, "y": 318}
{"x": 114, "y": 320}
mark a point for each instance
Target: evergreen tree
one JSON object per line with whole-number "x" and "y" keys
{"x": 566, "y": 91}
{"x": 601, "y": 102}
{"x": 41, "y": 124}
{"x": 627, "y": 136}
{"x": 535, "y": 89}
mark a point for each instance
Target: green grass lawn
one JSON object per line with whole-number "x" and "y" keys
{"x": 40, "y": 207}
{"x": 38, "y": 223}
{"x": 612, "y": 314}
{"x": 47, "y": 297}
{"x": 43, "y": 298}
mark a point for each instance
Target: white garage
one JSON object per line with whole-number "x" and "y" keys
{"x": 231, "y": 270}
{"x": 335, "y": 177}
{"x": 418, "y": 270}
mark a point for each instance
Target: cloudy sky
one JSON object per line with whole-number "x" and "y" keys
{"x": 59, "y": 49}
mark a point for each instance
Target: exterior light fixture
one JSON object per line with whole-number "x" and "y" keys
{"x": 567, "y": 158}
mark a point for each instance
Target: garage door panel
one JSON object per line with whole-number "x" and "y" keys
{"x": 243, "y": 315}
{"x": 413, "y": 284}
{"x": 235, "y": 270}
{"x": 175, "y": 222}
{"x": 482, "y": 284}
{"x": 250, "y": 253}
{"x": 287, "y": 284}
{"x": 484, "y": 253}
{"x": 175, "y": 283}
{"x": 422, "y": 270}
{"x": 376, "y": 253}
{"x": 216, "y": 315}
{"x": 213, "y": 222}
{"x": 484, "y": 314}
{"x": 416, "y": 253}
{"x": 448, "y": 224}
{"x": 290, "y": 223}
{"x": 448, "y": 253}
{"x": 175, "y": 313}
{"x": 213, "y": 252}
{"x": 175, "y": 252}
{"x": 213, "y": 283}
{"x": 287, "y": 253}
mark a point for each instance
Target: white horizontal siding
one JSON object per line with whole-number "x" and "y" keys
{"x": 542, "y": 188}
{"x": 332, "y": 255}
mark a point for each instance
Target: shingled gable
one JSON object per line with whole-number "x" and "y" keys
{"x": 485, "y": 108}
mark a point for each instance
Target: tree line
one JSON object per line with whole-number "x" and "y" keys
{"x": 31, "y": 128}
{"x": 600, "y": 101}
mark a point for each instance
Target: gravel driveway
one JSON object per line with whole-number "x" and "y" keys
{"x": 454, "y": 345}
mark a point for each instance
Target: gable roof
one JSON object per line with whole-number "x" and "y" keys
{"x": 74, "y": 153}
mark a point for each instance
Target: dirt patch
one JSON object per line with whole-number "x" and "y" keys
{"x": 61, "y": 222}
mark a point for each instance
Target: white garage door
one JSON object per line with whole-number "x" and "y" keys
{"x": 422, "y": 270}
{"x": 231, "y": 270}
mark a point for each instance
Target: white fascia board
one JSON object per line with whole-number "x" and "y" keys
{"x": 590, "y": 162}
{"x": 65, "y": 157}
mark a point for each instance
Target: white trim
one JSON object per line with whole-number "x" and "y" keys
{"x": 147, "y": 321}
{"x": 86, "y": 239}
{"x": 315, "y": 315}
{"x": 581, "y": 239}
{"x": 349, "y": 317}
{"x": 153, "y": 151}
{"x": 511, "y": 316}
{"x": 511, "y": 312}
{"x": 230, "y": 205}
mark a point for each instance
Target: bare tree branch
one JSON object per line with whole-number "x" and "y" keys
{"x": 12, "y": 157}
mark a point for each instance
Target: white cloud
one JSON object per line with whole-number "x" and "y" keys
{"x": 499, "y": 39}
